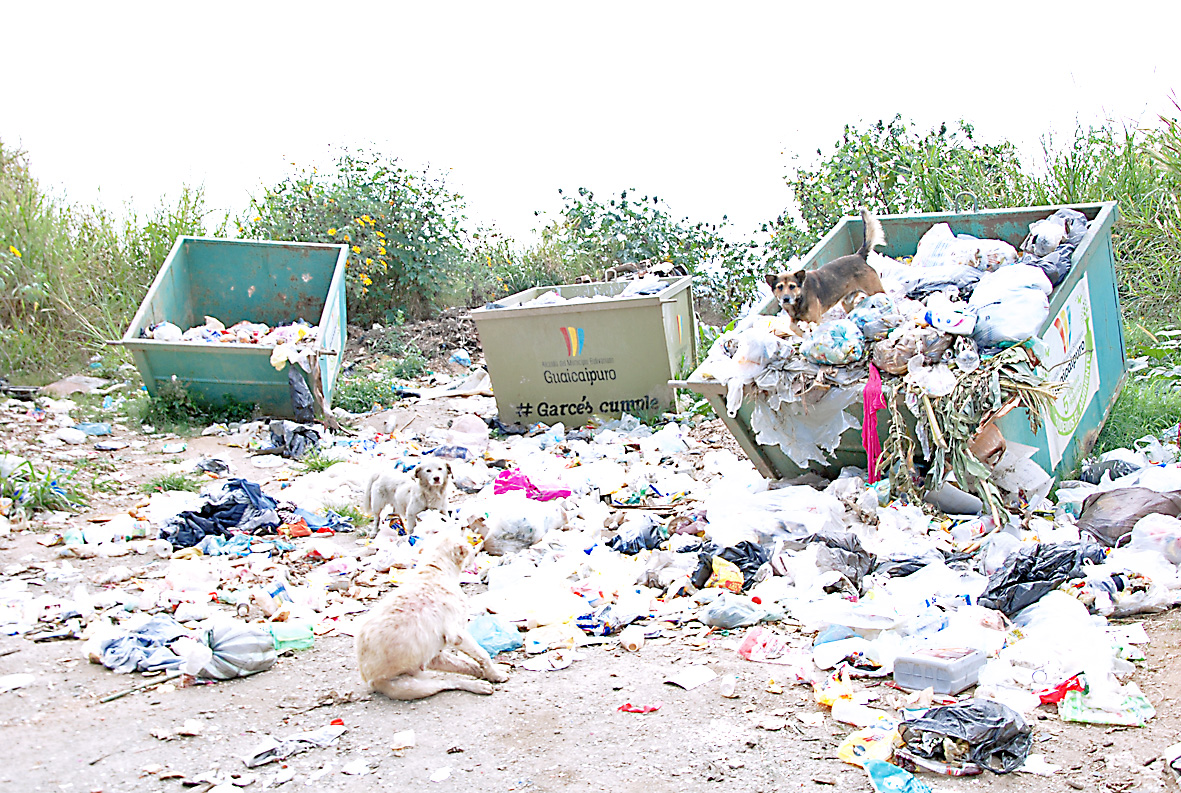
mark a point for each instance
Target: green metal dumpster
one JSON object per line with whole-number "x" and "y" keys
{"x": 570, "y": 361}
{"x": 275, "y": 283}
{"x": 1083, "y": 333}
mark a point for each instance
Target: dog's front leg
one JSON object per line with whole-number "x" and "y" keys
{"x": 496, "y": 673}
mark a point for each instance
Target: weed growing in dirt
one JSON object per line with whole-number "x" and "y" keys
{"x": 360, "y": 394}
{"x": 410, "y": 365}
{"x": 31, "y": 491}
{"x": 175, "y": 407}
{"x": 175, "y": 481}
{"x": 350, "y": 513}
{"x": 315, "y": 462}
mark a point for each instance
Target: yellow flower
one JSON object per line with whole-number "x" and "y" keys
{"x": 381, "y": 235}
{"x": 356, "y": 249}
{"x": 15, "y": 252}
{"x": 258, "y": 218}
{"x": 367, "y": 219}
{"x": 366, "y": 280}
{"x": 368, "y": 261}
{"x": 360, "y": 222}
{"x": 346, "y": 237}
{"x": 381, "y": 250}
{"x": 332, "y": 232}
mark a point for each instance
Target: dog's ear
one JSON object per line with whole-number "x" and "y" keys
{"x": 772, "y": 279}
{"x": 420, "y": 473}
{"x": 800, "y": 275}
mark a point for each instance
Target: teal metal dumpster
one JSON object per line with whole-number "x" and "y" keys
{"x": 275, "y": 283}
{"x": 1083, "y": 332}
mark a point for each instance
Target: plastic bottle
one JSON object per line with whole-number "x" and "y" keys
{"x": 632, "y": 638}
{"x": 967, "y": 359}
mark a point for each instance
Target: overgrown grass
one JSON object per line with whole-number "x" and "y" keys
{"x": 1144, "y": 408}
{"x": 177, "y": 409}
{"x": 175, "y": 481}
{"x": 71, "y": 276}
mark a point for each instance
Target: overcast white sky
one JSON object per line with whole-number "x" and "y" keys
{"x": 701, "y": 104}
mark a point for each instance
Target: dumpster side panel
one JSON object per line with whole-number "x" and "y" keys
{"x": 260, "y": 282}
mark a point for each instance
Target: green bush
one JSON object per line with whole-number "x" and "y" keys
{"x": 404, "y": 230}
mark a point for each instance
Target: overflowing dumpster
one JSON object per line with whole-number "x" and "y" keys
{"x": 205, "y": 283}
{"x": 1079, "y": 347}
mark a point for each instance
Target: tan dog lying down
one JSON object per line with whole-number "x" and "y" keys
{"x": 404, "y": 649}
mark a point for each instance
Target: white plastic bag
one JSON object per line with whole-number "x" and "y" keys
{"x": 1011, "y": 305}
{"x": 1160, "y": 533}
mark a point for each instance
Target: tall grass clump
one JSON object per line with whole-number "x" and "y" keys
{"x": 70, "y": 276}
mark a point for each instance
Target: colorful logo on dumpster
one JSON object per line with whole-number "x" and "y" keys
{"x": 1062, "y": 325}
{"x": 574, "y": 341}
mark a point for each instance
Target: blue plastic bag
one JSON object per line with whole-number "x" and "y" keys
{"x": 495, "y": 634}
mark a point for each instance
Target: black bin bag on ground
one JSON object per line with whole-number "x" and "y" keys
{"x": 1109, "y": 517}
{"x": 998, "y": 738}
{"x": 1036, "y": 570}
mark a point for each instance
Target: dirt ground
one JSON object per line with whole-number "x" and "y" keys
{"x": 541, "y": 731}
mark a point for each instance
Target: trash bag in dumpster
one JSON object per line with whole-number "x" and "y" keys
{"x": 1035, "y": 570}
{"x": 239, "y": 649}
{"x": 1110, "y": 517}
{"x": 991, "y": 735}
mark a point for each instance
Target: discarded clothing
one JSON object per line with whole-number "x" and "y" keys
{"x": 241, "y": 505}
{"x": 873, "y": 402}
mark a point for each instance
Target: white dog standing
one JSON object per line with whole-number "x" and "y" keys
{"x": 405, "y": 648}
{"x": 409, "y": 494}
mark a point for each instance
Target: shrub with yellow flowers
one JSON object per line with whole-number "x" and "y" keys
{"x": 403, "y": 229}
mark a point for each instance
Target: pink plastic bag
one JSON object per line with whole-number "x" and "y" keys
{"x": 515, "y": 480}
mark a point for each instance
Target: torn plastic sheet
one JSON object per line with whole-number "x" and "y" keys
{"x": 807, "y": 430}
{"x": 272, "y": 749}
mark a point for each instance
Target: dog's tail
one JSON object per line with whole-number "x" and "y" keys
{"x": 366, "y": 498}
{"x": 874, "y": 236}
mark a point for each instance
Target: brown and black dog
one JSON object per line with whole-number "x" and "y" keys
{"x": 807, "y": 294}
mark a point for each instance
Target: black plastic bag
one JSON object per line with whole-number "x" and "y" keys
{"x": 900, "y": 565}
{"x": 1109, "y": 517}
{"x": 749, "y": 557}
{"x": 293, "y": 440}
{"x": 637, "y": 535}
{"x": 998, "y": 738}
{"x": 1035, "y": 570}
{"x": 301, "y": 397}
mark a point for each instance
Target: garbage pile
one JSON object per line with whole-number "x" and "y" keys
{"x": 641, "y": 286}
{"x": 947, "y": 349}
{"x": 291, "y": 342}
